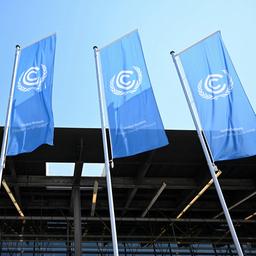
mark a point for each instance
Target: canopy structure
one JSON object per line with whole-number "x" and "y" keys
{"x": 150, "y": 190}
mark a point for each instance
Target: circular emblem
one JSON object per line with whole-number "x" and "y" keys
{"x": 126, "y": 81}
{"x": 215, "y": 86}
{"x": 32, "y": 79}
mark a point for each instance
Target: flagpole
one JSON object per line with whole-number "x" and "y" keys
{"x": 212, "y": 167}
{"x": 105, "y": 146}
{"x": 8, "y": 115}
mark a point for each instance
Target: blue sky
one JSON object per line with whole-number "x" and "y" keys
{"x": 163, "y": 25}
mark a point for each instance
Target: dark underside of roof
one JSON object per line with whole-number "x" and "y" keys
{"x": 179, "y": 168}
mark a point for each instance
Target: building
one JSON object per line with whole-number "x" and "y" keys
{"x": 150, "y": 190}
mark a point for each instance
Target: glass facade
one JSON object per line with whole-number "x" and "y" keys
{"x": 126, "y": 248}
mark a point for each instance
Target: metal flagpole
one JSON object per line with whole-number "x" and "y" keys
{"x": 8, "y": 115}
{"x": 105, "y": 145}
{"x": 212, "y": 167}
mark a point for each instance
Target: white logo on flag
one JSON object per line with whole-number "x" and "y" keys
{"x": 126, "y": 81}
{"x": 215, "y": 86}
{"x": 32, "y": 79}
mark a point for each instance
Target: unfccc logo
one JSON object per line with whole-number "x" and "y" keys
{"x": 126, "y": 81}
{"x": 214, "y": 86}
{"x": 32, "y": 79}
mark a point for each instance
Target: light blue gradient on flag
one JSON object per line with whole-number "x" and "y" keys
{"x": 32, "y": 117}
{"x": 134, "y": 119}
{"x": 226, "y": 115}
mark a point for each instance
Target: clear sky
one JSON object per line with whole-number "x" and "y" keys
{"x": 163, "y": 25}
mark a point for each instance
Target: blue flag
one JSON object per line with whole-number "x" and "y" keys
{"x": 226, "y": 116}
{"x": 134, "y": 120}
{"x": 32, "y": 118}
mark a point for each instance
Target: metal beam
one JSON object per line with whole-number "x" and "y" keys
{"x": 184, "y": 238}
{"x": 88, "y": 182}
{"x": 16, "y": 188}
{"x": 236, "y": 204}
{"x": 166, "y": 205}
{"x": 94, "y": 197}
{"x": 8, "y": 191}
{"x": 76, "y": 181}
{"x": 14, "y": 198}
{"x": 158, "y": 193}
{"x": 77, "y": 172}
{"x": 126, "y": 182}
{"x": 199, "y": 194}
{"x": 141, "y": 174}
{"x": 186, "y": 196}
{"x": 128, "y": 219}
{"x": 77, "y": 220}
